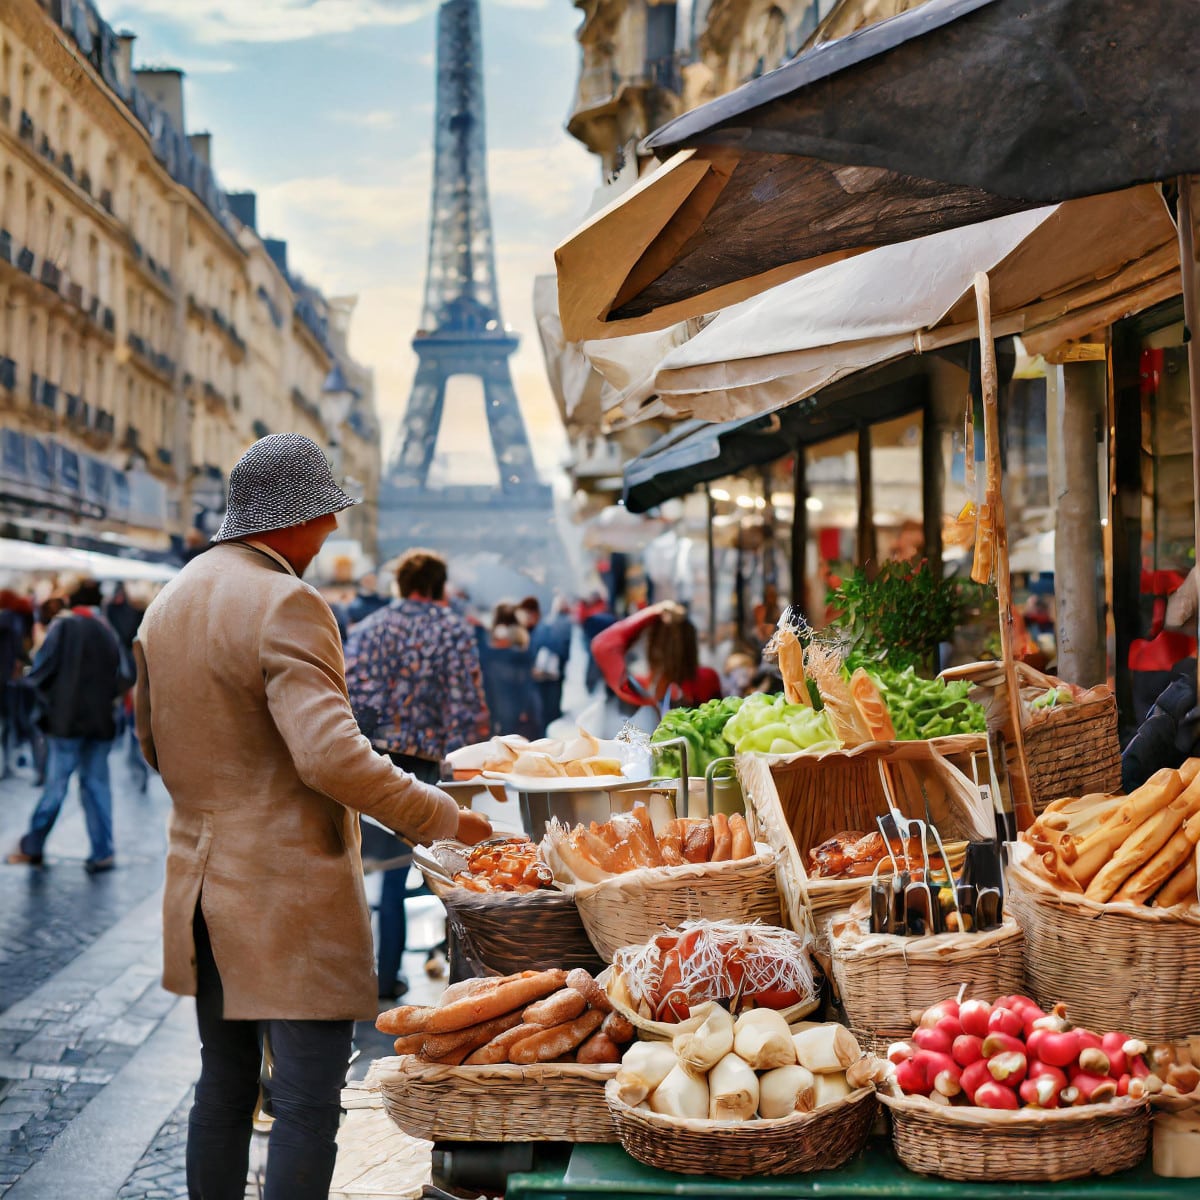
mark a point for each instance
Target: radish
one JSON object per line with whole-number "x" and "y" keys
{"x": 1002, "y": 1043}
{"x": 944, "y": 1008}
{"x": 1059, "y": 1049}
{"x": 1041, "y": 1092}
{"x": 1113, "y": 1044}
{"x": 1009, "y": 1067}
{"x": 950, "y": 1026}
{"x": 1093, "y": 1089}
{"x": 899, "y": 1052}
{"x": 933, "y": 1039}
{"x": 996, "y": 1095}
{"x": 1123, "y": 1085}
{"x": 974, "y": 1077}
{"x": 911, "y": 1079}
{"x": 1068, "y": 1097}
{"x": 1093, "y": 1061}
{"x": 973, "y": 1016}
{"x": 1004, "y": 1020}
{"x": 1041, "y": 1070}
{"x": 966, "y": 1049}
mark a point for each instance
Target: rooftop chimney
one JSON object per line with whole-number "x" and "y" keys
{"x": 244, "y": 206}
{"x": 201, "y": 144}
{"x": 164, "y": 85}
{"x": 124, "y": 57}
{"x": 277, "y": 249}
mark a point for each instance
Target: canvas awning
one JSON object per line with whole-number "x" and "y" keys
{"x": 1056, "y": 272}
{"x": 952, "y": 113}
{"x": 36, "y": 558}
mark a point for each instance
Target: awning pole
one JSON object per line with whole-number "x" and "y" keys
{"x": 1018, "y": 781}
{"x": 712, "y": 569}
{"x": 1187, "y": 270}
{"x": 799, "y": 547}
{"x": 867, "y": 551}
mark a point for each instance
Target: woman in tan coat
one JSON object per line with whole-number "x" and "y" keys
{"x": 242, "y": 707}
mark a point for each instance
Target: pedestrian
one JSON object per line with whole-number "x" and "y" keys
{"x": 242, "y": 707}
{"x": 78, "y": 675}
{"x": 366, "y": 601}
{"x": 125, "y": 615}
{"x": 550, "y": 641}
{"x": 507, "y": 659}
{"x": 416, "y": 687}
{"x": 16, "y": 623}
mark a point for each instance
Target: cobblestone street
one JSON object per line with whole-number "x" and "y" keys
{"x": 97, "y": 1062}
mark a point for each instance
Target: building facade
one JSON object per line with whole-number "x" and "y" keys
{"x": 148, "y": 334}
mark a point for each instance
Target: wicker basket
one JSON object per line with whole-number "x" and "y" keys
{"x": 885, "y": 982}
{"x": 629, "y": 909}
{"x": 666, "y": 1031}
{"x": 507, "y": 932}
{"x": 984, "y": 1145}
{"x": 1071, "y": 750}
{"x": 816, "y": 1141}
{"x": 800, "y": 801}
{"x": 1115, "y": 966}
{"x": 549, "y": 1102}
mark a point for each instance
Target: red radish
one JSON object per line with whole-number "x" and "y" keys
{"x": 1004, "y": 1020}
{"x": 1093, "y": 1089}
{"x": 1139, "y": 1068}
{"x": 1068, "y": 1097}
{"x": 966, "y": 1049}
{"x": 933, "y": 1039}
{"x": 911, "y": 1079}
{"x": 1123, "y": 1085}
{"x": 939, "y": 1072}
{"x": 973, "y": 1016}
{"x": 1033, "y": 1042}
{"x": 951, "y": 1027}
{"x": 1002, "y": 1043}
{"x": 899, "y": 1052}
{"x": 947, "y": 1083}
{"x": 1041, "y": 1070}
{"x": 1059, "y": 1049}
{"x": 1093, "y": 1061}
{"x": 1008, "y": 1068}
{"x": 1113, "y": 1045}
{"x": 1041, "y": 1092}
{"x": 933, "y": 1014}
{"x": 1088, "y": 1038}
{"x": 974, "y": 1077}
{"x": 1055, "y": 1019}
{"x": 996, "y": 1095}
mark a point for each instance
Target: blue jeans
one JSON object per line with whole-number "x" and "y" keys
{"x": 310, "y": 1061}
{"x": 88, "y": 756}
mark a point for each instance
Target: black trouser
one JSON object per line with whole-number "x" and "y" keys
{"x": 309, "y": 1064}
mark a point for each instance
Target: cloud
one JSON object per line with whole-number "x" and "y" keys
{"x": 217, "y": 21}
{"x": 379, "y": 118}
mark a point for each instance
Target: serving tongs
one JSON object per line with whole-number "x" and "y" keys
{"x": 937, "y": 840}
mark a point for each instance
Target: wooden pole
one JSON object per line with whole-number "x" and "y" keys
{"x": 989, "y": 385}
{"x": 867, "y": 552}
{"x": 800, "y": 529}
{"x": 712, "y": 569}
{"x": 1187, "y": 270}
{"x": 933, "y": 488}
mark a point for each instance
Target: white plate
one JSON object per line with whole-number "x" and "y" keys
{"x": 564, "y": 783}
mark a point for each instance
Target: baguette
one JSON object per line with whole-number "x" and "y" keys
{"x": 722, "y": 838}
{"x": 408, "y": 1018}
{"x": 1189, "y": 771}
{"x": 1144, "y": 883}
{"x": 509, "y": 996}
{"x": 791, "y": 668}
{"x": 599, "y": 1048}
{"x": 565, "y": 1005}
{"x": 1158, "y": 791}
{"x": 1142, "y": 845}
{"x": 1180, "y": 888}
{"x": 496, "y": 1051}
{"x": 555, "y": 1042}
{"x": 438, "y": 1045}
{"x": 410, "y": 1043}
{"x": 743, "y": 843}
{"x": 581, "y": 980}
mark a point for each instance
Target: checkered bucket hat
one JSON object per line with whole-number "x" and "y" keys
{"x": 282, "y": 480}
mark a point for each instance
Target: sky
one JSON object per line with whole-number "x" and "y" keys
{"x": 324, "y": 108}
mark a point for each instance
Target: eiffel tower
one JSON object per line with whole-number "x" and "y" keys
{"x": 462, "y": 334}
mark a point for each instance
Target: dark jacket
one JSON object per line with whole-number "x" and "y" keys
{"x": 78, "y": 674}
{"x": 1169, "y": 734}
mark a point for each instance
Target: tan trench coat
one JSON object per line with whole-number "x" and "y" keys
{"x": 241, "y": 705}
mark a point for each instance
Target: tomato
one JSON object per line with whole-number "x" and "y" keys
{"x": 775, "y": 998}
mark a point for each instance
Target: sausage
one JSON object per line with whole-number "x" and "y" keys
{"x": 722, "y": 838}
{"x": 496, "y": 1051}
{"x": 510, "y": 995}
{"x": 617, "y": 1028}
{"x": 554, "y": 1043}
{"x": 564, "y": 1005}
{"x": 408, "y": 1018}
{"x": 599, "y": 1048}
{"x": 439, "y": 1044}
{"x": 698, "y": 841}
{"x": 411, "y": 1043}
{"x": 589, "y": 989}
{"x": 743, "y": 843}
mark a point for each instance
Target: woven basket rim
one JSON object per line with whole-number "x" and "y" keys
{"x": 758, "y": 1125}
{"x": 409, "y": 1068}
{"x": 1008, "y": 1121}
{"x": 657, "y": 877}
{"x": 937, "y": 947}
{"x": 462, "y": 895}
{"x": 953, "y": 743}
{"x": 1046, "y": 894}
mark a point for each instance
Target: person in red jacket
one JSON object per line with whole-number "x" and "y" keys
{"x": 675, "y": 676}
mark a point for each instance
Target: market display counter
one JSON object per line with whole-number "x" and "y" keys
{"x": 600, "y": 1170}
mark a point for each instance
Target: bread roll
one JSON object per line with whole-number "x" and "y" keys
{"x": 1144, "y": 883}
{"x": 1180, "y": 888}
{"x": 1142, "y": 845}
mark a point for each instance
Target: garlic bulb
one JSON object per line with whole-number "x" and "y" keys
{"x": 732, "y": 1090}
{"x": 786, "y": 1090}
{"x": 826, "y": 1048}
{"x": 681, "y": 1095}
{"x": 644, "y": 1066}
{"x": 702, "y": 1049}
{"x": 762, "y": 1038}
